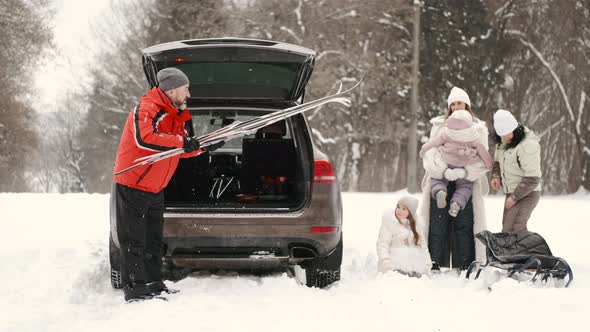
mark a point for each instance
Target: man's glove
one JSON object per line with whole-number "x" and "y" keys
{"x": 190, "y": 144}
{"x": 214, "y": 147}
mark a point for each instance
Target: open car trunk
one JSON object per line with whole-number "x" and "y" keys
{"x": 235, "y": 79}
{"x": 232, "y": 69}
{"x": 265, "y": 171}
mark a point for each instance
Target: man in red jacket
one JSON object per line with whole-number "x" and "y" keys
{"x": 156, "y": 124}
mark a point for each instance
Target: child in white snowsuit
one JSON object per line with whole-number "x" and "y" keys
{"x": 401, "y": 245}
{"x": 458, "y": 153}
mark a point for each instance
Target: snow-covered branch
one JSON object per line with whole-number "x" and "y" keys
{"x": 322, "y": 139}
{"x": 580, "y": 111}
{"x": 553, "y": 126}
{"x": 324, "y": 53}
{"x": 351, "y": 13}
{"x": 339, "y": 13}
{"x": 547, "y": 65}
{"x": 298, "y": 14}
{"x": 502, "y": 8}
{"x": 292, "y": 33}
{"x": 386, "y": 21}
{"x": 342, "y": 55}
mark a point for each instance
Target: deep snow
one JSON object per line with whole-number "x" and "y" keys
{"x": 55, "y": 277}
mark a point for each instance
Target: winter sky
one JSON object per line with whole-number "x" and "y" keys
{"x": 64, "y": 67}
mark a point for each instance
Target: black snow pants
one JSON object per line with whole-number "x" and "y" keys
{"x": 140, "y": 217}
{"x": 450, "y": 239}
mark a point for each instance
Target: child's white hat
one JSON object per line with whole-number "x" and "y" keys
{"x": 458, "y": 120}
{"x": 458, "y": 94}
{"x": 411, "y": 203}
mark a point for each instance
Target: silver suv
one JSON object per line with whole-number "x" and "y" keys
{"x": 267, "y": 200}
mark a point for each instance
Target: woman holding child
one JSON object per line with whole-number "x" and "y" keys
{"x": 451, "y": 220}
{"x": 456, "y": 161}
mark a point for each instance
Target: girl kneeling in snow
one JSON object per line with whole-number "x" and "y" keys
{"x": 400, "y": 245}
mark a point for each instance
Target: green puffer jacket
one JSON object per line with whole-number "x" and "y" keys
{"x": 524, "y": 160}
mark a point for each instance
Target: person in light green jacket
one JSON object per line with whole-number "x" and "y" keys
{"x": 517, "y": 170}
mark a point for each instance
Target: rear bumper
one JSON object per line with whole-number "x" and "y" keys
{"x": 285, "y": 238}
{"x": 242, "y": 247}
{"x": 234, "y": 263}
{"x": 244, "y": 252}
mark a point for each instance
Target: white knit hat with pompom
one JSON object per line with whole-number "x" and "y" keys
{"x": 458, "y": 94}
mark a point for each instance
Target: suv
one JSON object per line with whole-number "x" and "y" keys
{"x": 267, "y": 200}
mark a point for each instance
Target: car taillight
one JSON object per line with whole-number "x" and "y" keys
{"x": 323, "y": 171}
{"x": 324, "y": 229}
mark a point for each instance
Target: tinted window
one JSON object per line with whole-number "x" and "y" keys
{"x": 235, "y": 80}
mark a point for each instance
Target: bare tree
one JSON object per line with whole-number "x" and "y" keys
{"x": 548, "y": 84}
{"x": 25, "y": 33}
{"x": 412, "y": 139}
{"x": 119, "y": 79}
{"x": 354, "y": 40}
{"x": 505, "y": 53}
{"x": 59, "y": 163}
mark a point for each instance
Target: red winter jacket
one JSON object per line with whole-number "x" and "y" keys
{"x": 155, "y": 125}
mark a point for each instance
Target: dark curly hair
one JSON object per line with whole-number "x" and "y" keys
{"x": 519, "y": 135}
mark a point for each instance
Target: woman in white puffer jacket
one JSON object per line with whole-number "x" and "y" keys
{"x": 401, "y": 245}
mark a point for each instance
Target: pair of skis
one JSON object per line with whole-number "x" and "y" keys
{"x": 239, "y": 129}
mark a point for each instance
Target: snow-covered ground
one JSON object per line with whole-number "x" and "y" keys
{"x": 55, "y": 277}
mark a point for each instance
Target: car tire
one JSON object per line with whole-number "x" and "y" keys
{"x": 115, "y": 262}
{"x": 324, "y": 271}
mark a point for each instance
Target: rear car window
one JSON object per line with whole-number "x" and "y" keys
{"x": 241, "y": 80}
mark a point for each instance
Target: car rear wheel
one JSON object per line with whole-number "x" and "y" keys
{"x": 324, "y": 271}
{"x": 115, "y": 262}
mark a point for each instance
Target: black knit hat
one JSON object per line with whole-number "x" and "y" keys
{"x": 171, "y": 78}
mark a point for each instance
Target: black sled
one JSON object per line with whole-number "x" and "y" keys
{"x": 524, "y": 256}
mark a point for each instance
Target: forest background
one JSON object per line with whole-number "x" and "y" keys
{"x": 530, "y": 57}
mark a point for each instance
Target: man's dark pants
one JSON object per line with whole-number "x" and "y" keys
{"x": 140, "y": 217}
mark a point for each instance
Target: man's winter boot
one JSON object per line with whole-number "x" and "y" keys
{"x": 159, "y": 287}
{"x": 147, "y": 297}
{"x": 454, "y": 209}
{"x": 171, "y": 290}
{"x": 138, "y": 292}
{"x": 441, "y": 199}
